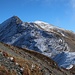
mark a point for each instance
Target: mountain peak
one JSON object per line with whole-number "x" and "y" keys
{"x": 13, "y": 19}
{"x": 45, "y": 26}
{"x": 17, "y": 19}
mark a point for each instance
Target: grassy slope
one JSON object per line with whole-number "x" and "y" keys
{"x": 33, "y": 63}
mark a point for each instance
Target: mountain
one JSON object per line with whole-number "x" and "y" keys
{"x": 39, "y": 36}
{"x": 18, "y": 61}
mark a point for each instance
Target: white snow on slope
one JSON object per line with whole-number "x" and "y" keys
{"x": 14, "y": 39}
{"x": 44, "y": 25}
{"x": 65, "y": 59}
{"x": 69, "y": 67}
{"x": 40, "y": 22}
{"x": 48, "y": 27}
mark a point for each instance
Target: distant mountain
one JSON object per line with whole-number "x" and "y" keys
{"x": 39, "y": 36}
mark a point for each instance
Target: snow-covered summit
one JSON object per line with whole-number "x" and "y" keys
{"x": 45, "y": 26}
{"x": 49, "y": 27}
{"x": 40, "y": 22}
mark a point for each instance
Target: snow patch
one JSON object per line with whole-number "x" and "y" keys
{"x": 40, "y": 22}
{"x": 40, "y": 44}
{"x": 69, "y": 67}
{"x": 45, "y": 25}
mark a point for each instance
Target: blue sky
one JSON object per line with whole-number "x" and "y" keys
{"x": 60, "y": 13}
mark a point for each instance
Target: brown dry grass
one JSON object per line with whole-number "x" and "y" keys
{"x": 5, "y": 71}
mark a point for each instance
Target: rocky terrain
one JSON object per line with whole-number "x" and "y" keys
{"x": 35, "y": 40}
{"x": 18, "y": 61}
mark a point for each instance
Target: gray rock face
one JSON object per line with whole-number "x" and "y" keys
{"x": 32, "y": 36}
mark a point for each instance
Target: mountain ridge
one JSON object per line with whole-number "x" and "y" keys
{"x": 38, "y": 36}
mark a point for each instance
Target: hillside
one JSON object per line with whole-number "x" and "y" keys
{"x": 18, "y": 61}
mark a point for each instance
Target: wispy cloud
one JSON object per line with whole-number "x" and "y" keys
{"x": 70, "y": 12}
{"x": 72, "y": 2}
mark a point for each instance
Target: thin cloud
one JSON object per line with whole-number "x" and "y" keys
{"x": 72, "y": 3}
